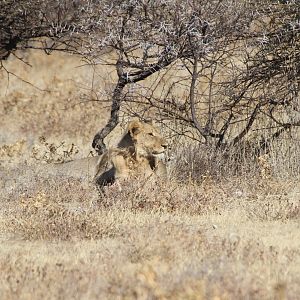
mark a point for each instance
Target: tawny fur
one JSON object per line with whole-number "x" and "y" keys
{"x": 137, "y": 155}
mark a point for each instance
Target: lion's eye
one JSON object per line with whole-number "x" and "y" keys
{"x": 150, "y": 133}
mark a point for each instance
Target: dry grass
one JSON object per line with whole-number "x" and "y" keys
{"x": 168, "y": 241}
{"x": 201, "y": 235}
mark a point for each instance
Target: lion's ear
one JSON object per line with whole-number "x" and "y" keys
{"x": 134, "y": 127}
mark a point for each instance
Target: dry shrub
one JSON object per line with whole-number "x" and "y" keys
{"x": 56, "y": 208}
{"x": 52, "y": 152}
{"x": 170, "y": 197}
{"x": 245, "y": 159}
{"x": 40, "y": 218}
{"x": 198, "y": 162}
{"x": 272, "y": 199}
{"x": 12, "y": 152}
{"x": 68, "y": 208}
{"x": 61, "y": 209}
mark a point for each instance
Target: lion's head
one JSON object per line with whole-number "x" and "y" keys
{"x": 146, "y": 138}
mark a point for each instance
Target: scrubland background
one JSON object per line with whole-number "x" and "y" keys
{"x": 209, "y": 232}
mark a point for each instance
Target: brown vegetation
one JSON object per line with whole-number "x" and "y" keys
{"x": 225, "y": 226}
{"x": 222, "y": 78}
{"x": 167, "y": 242}
{"x": 235, "y": 62}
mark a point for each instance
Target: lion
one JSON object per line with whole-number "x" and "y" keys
{"x": 138, "y": 154}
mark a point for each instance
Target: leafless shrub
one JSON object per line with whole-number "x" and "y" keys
{"x": 238, "y": 59}
{"x": 245, "y": 159}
